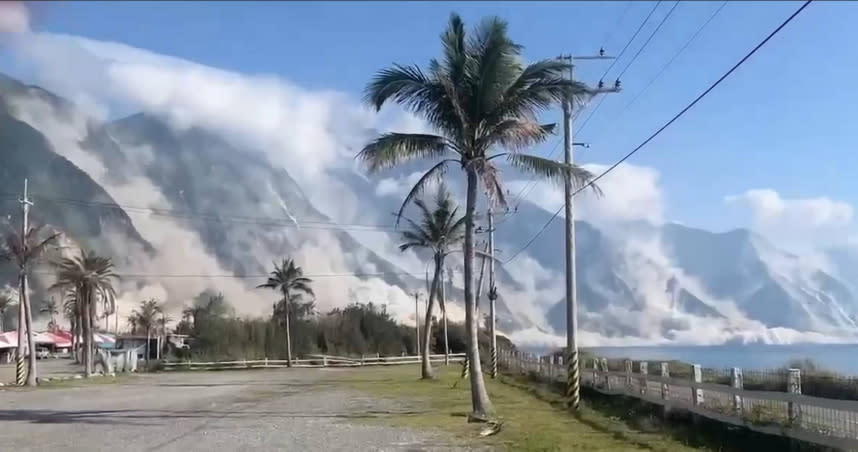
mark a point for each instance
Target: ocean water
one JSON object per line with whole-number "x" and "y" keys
{"x": 841, "y": 358}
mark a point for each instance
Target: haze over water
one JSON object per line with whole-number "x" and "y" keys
{"x": 836, "y": 357}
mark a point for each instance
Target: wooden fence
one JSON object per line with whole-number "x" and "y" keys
{"x": 828, "y": 422}
{"x": 309, "y": 361}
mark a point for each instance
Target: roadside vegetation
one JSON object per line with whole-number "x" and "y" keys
{"x": 527, "y": 422}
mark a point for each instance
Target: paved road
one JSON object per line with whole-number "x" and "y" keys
{"x": 213, "y": 411}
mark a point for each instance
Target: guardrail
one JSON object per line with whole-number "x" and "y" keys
{"x": 828, "y": 422}
{"x": 310, "y": 361}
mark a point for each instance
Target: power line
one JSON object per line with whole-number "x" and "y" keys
{"x": 666, "y": 125}
{"x": 640, "y": 27}
{"x": 651, "y": 35}
{"x": 674, "y": 57}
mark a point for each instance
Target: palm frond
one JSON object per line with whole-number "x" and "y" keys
{"x": 436, "y": 172}
{"x": 516, "y": 134}
{"x": 555, "y": 171}
{"x": 393, "y": 149}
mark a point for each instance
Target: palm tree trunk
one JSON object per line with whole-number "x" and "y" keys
{"x": 482, "y": 406}
{"x": 31, "y": 344}
{"x": 74, "y": 333}
{"x": 427, "y": 372}
{"x": 288, "y": 309}
{"x": 88, "y": 336}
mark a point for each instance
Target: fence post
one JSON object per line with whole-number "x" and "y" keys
{"x": 628, "y": 368}
{"x": 794, "y": 387}
{"x": 607, "y": 377}
{"x": 595, "y": 372}
{"x": 266, "y": 362}
{"x": 665, "y": 389}
{"x": 324, "y": 360}
{"x": 697, "y": 376}
{"x": 737, "y": 382}
{"x": 643, "y": 368}
{"x": 539, "y": 366}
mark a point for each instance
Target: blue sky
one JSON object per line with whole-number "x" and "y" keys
{"x": 783, "y": 121}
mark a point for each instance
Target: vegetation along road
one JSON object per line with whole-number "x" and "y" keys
{"x": 298, "y": 409}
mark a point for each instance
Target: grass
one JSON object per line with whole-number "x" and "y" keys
{"x": 531, "y": 422}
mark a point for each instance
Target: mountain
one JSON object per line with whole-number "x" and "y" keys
{"x": 179, "y": 203}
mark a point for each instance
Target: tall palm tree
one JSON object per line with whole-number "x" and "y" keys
{"x": 91, "y": 277}
{"x": 146, "y": 318}
{"x": 50, "y": 307}
{"x": 7, "y": 300}
{"x": 439, "y": 228}
{"x": 72, "y": 310}
{"x": 289, "y": 280}
{"x": 479, "y": 98}
{"x": 24, "y": 250}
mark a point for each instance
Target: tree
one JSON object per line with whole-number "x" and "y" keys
{"x": 91, "y": 278}
{"x": 146, "y": 318}
{"x": 289, "y": 280}
{"x": 478, "y": 98}
{"x": 7, "y": 300}
{"x": 72, "y": 310}
{"x": 438, "y": 229}
{"x": 24, "y": 250}
{"x": 50, "y": 307}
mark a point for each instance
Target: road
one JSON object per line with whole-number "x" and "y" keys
{"x": 293, "y": 410}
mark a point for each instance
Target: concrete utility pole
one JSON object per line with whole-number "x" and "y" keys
{"x": 23, "y": 308}
{"x": 417, "y": 321}
{"x": 573, "y": 390}
{"x": 493, "y": 295}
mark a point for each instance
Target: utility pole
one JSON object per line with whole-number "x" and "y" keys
{"x": 573, "y": 389}
{"x": 23, "y": 307}
{"x": 493, "y": 295}
{"x": 444, "y": 313}
{"x": 417, "y": 321}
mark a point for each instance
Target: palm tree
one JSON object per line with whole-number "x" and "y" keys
{"x": 6, "y": 301}
{"x": 289, "y": 280}
{"x": 73, "y": 312}
{"x": 478, "y": 98}
{"x": 91, "y": 277}
{"x": 50, "y": 307}
{"x": 439, "y": 229}
{"x": 24, "y": 250}
{"x": 146, "y": 318}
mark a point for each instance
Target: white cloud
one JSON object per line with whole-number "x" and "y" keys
{"x": 797, "y": 224}
{"x": 14, "y": 17}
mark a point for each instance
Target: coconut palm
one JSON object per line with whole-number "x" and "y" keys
{"x": 50, "y": 307}
{"x": 73, "y": 313}
{"x": 289, "y": 280}
{"x": 24, "y": 250}
{"x": 146, "y": 318}
{"x": 91, "y": 277}
{"x": 439, "y": 228}
{"x": 479, "y": 98}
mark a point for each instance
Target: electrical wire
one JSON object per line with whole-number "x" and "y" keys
{"x": 646, "y": 43}
{"x": 673, "y": 58}
{"x": 308, "y": 275}
{"x": 640, "y": 27}
{"x": 666, "y": 125}
{"x": 610, "y": 33}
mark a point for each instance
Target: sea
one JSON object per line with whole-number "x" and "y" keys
{"x": 840, "y": 358}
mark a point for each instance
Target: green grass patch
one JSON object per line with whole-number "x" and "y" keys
{"x": 532, "y": 421}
